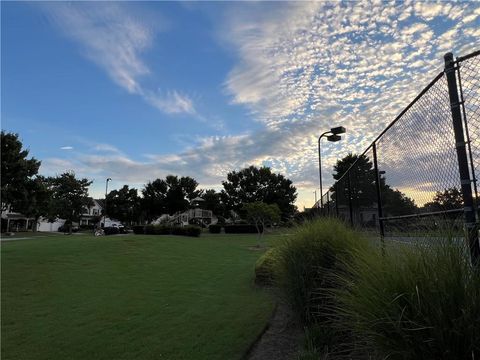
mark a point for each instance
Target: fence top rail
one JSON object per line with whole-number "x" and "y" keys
{"x": 433, "y": 82}
{"x": 431, "y": 213}
{"x": 466, "y": 57}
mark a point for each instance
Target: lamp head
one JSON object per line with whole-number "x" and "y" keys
{"x": 334, "y": 138}
{"x": 338, "y": 130}
{"x": 109, "y": 179}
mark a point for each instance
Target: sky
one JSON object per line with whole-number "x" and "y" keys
{"x": 135, "y": 91}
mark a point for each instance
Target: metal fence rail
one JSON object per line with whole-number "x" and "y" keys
{"x": 418, "y": 177}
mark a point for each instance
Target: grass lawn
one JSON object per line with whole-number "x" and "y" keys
{"x": 130, "y": 297}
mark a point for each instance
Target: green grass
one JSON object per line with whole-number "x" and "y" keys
{"x": 130, "y": 297}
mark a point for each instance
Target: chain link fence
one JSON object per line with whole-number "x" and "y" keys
{"x": 408, "y": 183}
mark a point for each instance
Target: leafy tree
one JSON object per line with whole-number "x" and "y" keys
{"x": 449, "y": 199}
{"x": 16, "y": 170}
{"x": 254, "y": 184}
{"x": 213, "y": 202}
{"x": 396, "y": 203}
{"x": 70, "y": 197}
{"x": 124, "y": 204}
{"x": 36, "y": 200}
{"x": 153, "y": 201}
{"x": 168, "y": 196}
{"x": 261, "y": 214}
{"x": 362, "y": 188}
{"x": 362, "y": 181}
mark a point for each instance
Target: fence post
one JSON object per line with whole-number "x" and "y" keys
{"x": 336, "y": 198}
{"x": 350, "y": 205}
{"x": 379, "y": 195}
{"x": 466, "y": 183}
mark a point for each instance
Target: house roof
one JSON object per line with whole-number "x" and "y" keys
{"x": 100, "y": 202}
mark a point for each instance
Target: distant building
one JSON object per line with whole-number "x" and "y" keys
{"x": 92, "y": 215}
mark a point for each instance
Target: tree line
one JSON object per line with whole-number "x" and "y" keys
{"x": 175, "y": 194}
{"x": 360, "y": 189}
{"x": 66, "y": 196}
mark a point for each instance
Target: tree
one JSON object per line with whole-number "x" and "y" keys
{"x": 70, "y": 197}
{"x": 213, "y": 202}
{"x": 449, "y": 199}
{"x": 362, "y": 189}
{"x": 168, "y": 196}
{"x": 254, "y": 184}
{"x": 124, "y": 204}
{"x": 16, "y": 170}
{"x": 153, "y": 201}
{"x": 37, "y": 200}
{"x": 261, "y": 214}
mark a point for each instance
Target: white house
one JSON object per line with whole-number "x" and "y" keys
{"x": 12, "y": 221}
{"x": 92, "y": 213}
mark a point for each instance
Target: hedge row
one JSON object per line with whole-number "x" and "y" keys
{"x": 215, "y": 229}
{"x": 194, "y": 231}
{"x": 241, "y": 229}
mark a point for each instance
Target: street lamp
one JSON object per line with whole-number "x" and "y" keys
{"x": 105, "y": 210}
{"x": 332, "y": 136}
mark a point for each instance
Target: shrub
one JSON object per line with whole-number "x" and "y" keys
{"x": 168, "y": 230}
{"x": 194, "y": 231}
{"x": 414, "y": 303}
{"x": 139, "y": 229}
{"x": 162, "y": 230}
{"x": 111, "y": 230}
{"x": 266, "y": 267}
{"x": 241, "y": 229}
{"x": 149, "y": 230}
{"x": 215, "y": 229}
{"x": 310, "y": 260}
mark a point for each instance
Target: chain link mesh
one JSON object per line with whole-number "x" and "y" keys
{"x": 469, "y": 75}
{"x": 412, "y": 188}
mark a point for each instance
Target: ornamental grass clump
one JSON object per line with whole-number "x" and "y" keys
{"x": 309, "y": 262}
{"x": 266, "y": 267}
{"x": 416, "y": 302}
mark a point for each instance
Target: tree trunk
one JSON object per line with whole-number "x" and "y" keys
{"x": 34, "y": 225}
{"x": 259, "y": 234}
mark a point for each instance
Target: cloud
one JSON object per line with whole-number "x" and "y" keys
{"x": 308, "y": 66}
{"x": 302, "y": 68}
{"x": 66, "y": 148}
{"x": 114, "y": 37}
{"x": 173, "y": 102}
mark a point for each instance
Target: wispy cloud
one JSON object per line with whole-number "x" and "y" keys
{"x": 66, "y": 148}
{"x": 114, "y": 38}
{"x": 172, "y": 102}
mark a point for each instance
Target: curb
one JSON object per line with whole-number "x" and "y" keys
{"x": 248, "y": 352}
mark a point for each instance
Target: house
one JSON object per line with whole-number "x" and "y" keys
{"x": 92, "y": 214}
{"x": 13, "y": 221}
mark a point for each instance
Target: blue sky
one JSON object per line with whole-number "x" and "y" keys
{"x": 136, "y": 91}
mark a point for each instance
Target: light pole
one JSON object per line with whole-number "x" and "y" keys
{"x": 105, "y": 210}
{"x": 315, "y": 192}
{"x": 332, "y": 136}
